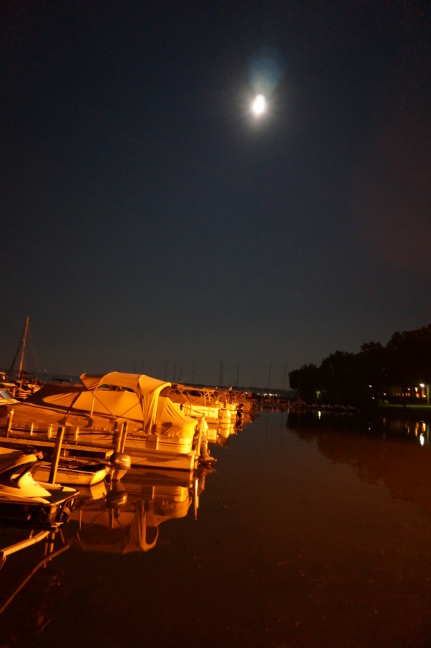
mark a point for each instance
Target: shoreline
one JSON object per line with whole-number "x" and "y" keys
{"x": 417, "y": 412}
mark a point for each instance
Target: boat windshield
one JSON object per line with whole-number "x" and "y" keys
{"x": 5, "y": 394}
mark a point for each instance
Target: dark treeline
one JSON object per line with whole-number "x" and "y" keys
{"x": 392, "y": 373}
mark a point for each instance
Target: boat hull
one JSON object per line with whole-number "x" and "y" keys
{"x": 147, "y": 452}
{"x": 72, "y": 473}
{"x": 36, "y": 515}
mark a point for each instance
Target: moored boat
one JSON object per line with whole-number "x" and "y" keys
{"x": 204, "y": 401}
{"x": 6, "y": 397}
{"x": 73, "y": 472}
{"x": 23, "y": 501}
{"x": 131, "y": 413}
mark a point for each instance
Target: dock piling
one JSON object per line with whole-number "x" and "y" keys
{"x": 56, "y": 455}
{"x": 9, "y": 425}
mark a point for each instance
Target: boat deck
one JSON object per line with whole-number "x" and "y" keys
{"x": 19, "y": 443}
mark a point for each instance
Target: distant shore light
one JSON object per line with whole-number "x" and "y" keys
{"x": 258, "y": 106}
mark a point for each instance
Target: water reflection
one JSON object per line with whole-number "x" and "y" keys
{"x": 220, "y": 432}
{"x": 310, "y": 533}
{"x": 404, "y": 428}
{"x": 30, "y": 574}
{"x": 128, "y": 518}
{"x": 395, "y": 452}
{"x": 118, "y": 517}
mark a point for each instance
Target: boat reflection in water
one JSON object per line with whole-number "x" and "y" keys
{"x": 220, "y": 432}
{"x": 128, "y": 518}
{"x": 312, "y": 532}
{"x": 118, "y": 517}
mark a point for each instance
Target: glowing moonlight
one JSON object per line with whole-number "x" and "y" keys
{"x": 258, "y": 106}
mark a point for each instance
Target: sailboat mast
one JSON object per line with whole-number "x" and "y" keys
{"x": 24, "y": 340}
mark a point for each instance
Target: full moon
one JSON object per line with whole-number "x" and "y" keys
{"x": 258, "y": 106}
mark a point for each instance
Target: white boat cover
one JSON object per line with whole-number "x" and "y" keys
{"x": 105, "y": 400}
{"x": 146, "y": 388}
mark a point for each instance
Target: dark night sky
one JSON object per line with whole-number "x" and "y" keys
{"x": 149, "y": 218}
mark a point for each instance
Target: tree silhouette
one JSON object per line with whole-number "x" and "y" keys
{"x": 366, "y": 377}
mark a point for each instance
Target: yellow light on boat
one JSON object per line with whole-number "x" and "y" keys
{"x": 258, "y": 106}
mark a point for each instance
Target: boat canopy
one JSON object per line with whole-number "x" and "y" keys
{"x": 145, "y": 387}
{"x": 101, "y": 398}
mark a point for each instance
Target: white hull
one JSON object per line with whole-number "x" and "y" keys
{"x": 212, "y": 414}
{"x": 23, "y": 501}
{"x": 70, "y": 474}
{"x": 147, "y": 452}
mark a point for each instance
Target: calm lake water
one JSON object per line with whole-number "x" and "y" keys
{"x": 311, "y": 532}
